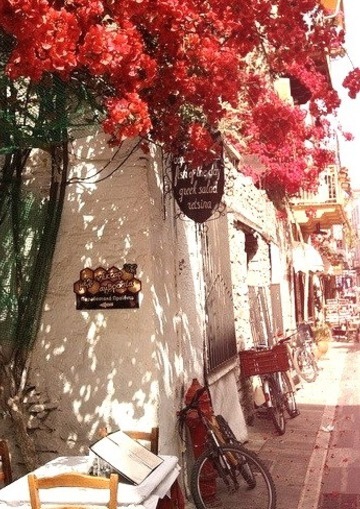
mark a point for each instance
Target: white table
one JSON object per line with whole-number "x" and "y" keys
{"x": 143, "y": 496}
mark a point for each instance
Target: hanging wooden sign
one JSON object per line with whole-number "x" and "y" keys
{"x": 108, "y": 289}
{"x": 198, "y": 191}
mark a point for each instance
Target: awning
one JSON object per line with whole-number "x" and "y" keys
{"x": 332, "y": 6}
{"x": 306, "y": 258}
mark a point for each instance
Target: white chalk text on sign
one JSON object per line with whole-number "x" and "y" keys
{"x": 198, "y": 191}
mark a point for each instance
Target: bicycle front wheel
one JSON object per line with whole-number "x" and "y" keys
{"x": 277, "y": 406}
{"x": 232, "y": 477}
{"x": 305, "y": 365}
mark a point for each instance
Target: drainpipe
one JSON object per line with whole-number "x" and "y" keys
{"x": 306, "y": 296}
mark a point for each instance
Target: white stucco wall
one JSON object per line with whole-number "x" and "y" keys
{"x": 113, "y": 367}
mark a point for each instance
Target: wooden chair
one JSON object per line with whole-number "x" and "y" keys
{"x": 5, "y": 470}
{"x": 147, "y": 436}
{"x": 75, "y": 480}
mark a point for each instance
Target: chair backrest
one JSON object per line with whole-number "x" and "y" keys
{"x": 73, "y": 480}
{"x": 5, "y": 470}
{"x": 147, "y": 436}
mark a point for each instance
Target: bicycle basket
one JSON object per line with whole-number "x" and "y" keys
{"x": 260, "y": 362}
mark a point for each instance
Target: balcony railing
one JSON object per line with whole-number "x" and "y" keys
{"x": 330, "y": 190}
{"x": 327, "y": 206}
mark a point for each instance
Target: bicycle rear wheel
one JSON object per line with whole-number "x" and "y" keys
{"x": 289, "y": 396}
{"x": 305, "y": 364}
{"x": 277, "y": 409}
{"x": 219, "y": 479}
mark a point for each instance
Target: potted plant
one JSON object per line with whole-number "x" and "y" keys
{"x": 322, "y": 337}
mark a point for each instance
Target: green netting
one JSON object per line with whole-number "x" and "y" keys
{"x": 29, "y": 221}
{"x": 17, "y": 258}
{"x": 41, "y": 115}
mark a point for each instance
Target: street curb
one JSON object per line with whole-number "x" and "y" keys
{"x": 310, "y": 495}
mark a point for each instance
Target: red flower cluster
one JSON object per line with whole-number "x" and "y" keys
{"x": 127, "y": 118}
{"x": 352, "y": 82}
{"x": 290, "y": 151}
{"x": 170, "y": 66}
{"x": 46, "y": 38}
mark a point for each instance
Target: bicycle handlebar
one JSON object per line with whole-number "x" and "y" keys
{"x": 194, "y": 402}
{"x": 287, "y": 338}
{"x": 198, "y": 393}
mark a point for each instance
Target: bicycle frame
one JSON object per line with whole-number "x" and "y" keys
{"x": 215, "y": 440}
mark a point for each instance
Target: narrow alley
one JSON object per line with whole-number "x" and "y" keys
{"x": 315, "y": 465}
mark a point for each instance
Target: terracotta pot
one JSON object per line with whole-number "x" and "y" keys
{"x": 322, "y": 347}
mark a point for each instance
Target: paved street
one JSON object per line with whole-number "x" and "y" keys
{"x": 316, "y": 464}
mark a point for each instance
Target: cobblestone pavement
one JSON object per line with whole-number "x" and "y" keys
{"x": 316, "y": 464}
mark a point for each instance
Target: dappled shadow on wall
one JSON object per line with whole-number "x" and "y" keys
{"x": 95, "y": 367}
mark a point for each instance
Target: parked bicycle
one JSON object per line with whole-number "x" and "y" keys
{"x": 227, "y": 474}
{"x": 300, "y": 346}
{"x": 279, "y": 396}
{"x": 272, "y": 366}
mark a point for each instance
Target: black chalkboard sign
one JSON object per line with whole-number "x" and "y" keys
{"x": 198, "y": 191}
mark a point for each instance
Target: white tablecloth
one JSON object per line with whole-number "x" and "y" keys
{"x": 143, "y": 496}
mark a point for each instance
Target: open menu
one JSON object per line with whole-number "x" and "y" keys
{"x": 126, "y": 456}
